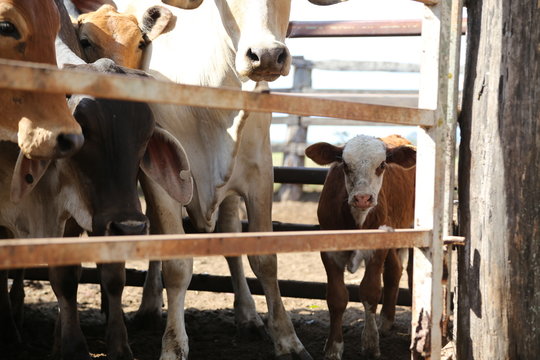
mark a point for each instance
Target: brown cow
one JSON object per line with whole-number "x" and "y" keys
{"x": 368, "y": 186}
{"x": 40, "y": 123}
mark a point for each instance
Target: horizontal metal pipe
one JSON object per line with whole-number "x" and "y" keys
{"x": 222, "y": 284}
{"x": 46, "y": 78}
{"x": 294, "y": 175}
{"x": 16, "y": 253}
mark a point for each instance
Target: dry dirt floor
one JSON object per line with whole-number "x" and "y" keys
{"x": 209, "y": 316}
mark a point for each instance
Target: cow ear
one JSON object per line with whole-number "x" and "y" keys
{"x": 155, "y": 20}
{"x": 324, "y": 153}
{"x": 166, "y": 162}
{"x": 404, "y": 155}
{"x": 26, "y": 176}
{"x": 326, "y": 2}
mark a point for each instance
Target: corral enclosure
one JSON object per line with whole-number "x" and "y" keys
{"x": 312, "y": 309}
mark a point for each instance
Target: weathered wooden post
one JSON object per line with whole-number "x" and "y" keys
{"x": 499, "y": 184}
{"x": 295, "y": 144}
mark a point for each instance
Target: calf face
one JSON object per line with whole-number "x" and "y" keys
{"x": 364, "y": 160}
{"x": 108, "y": 33}
{"x": 40, "y": 123}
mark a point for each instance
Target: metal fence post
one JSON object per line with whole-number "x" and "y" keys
{"x": 293, "y": 154}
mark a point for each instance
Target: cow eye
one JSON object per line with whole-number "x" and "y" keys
{"x": 85, "y": 43}
{"x": 380, "y": 168}
{"x": 8, "y": 29}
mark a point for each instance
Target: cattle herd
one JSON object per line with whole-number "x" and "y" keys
{"x": 73, "y": 164}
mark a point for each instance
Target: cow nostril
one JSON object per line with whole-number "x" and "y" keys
{"x": 252, "y": 56}
{"x": 282, "y": 57}
{"x": 127, "y": 228}
{"x": 69, "y": 143}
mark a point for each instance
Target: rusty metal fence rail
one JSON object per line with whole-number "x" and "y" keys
{"x": 436, "y": 121}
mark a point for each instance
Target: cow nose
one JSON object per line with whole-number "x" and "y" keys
{"x": 69, "y": 143}
{"x": 363, "y": 201}
{"x": 131, "y": 227}
{"x": 268, "y": 58}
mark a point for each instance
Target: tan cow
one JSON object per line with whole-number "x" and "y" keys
{"x": 221, "y": 43}
{"x": 40, "y": 123}
{"x": 369, "y": 185}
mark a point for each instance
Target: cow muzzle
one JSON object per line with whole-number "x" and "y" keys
{"x": 39, "y": 143}
{"x": 264, "y": 63}
{"x": 127, "y": 227}
{"x": 363, "y": 201}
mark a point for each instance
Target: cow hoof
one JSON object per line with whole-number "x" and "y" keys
{"x": 371, "y": 353}
{"x": 124, "y": 355}
{"x": 147, "y": 321}
{"x": 73, "y": 356}
{"x": 302, "y": 355}
{"x": 253, "y": 332}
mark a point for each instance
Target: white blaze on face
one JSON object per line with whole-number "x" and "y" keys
{"x": 364, "y": 161}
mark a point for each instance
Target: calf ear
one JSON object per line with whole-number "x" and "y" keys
{"x": 166, "y": 162}
{"x": 155, "y": 20}
{"x": 324, "y": 153}
{"x": 26, "y": 175}
{"x": 404, "y": 155}
{"x": 184, "y": 4}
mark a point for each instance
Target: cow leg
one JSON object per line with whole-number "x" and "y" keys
{"x": 259, "y": 209}
{"x": 370, "y": 293}
{"x": 64, "y": 281}
{"x": 113, "y": 280}
{"x": 149, "y": 312}
{"x": 16, "y": 295}
{"x": 246, "y": 317}
{"x": 337, "y": 297}
{"x": 9, "y": 334}
{"x": 391, "y": 277}
{"x": 165, "y": 215}
{"x": 177, "y": 276}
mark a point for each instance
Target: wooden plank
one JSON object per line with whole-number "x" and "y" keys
{"x": 18, "y": 253}
{"x": 46, "y": 78}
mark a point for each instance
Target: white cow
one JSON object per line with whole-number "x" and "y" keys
{"x": 236, "y": 41}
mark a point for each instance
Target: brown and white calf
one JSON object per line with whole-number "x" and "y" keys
{"x": 369, "y": 185}
{"x": 40, "y": 123}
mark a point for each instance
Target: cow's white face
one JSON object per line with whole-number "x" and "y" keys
{"x": 364, "y": 161}
{"x": 258, "y": 28}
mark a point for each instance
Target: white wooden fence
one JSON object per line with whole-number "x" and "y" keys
{"x": 436, "y": 118}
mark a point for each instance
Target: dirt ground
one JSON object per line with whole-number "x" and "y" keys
{"x": 209, "y": 316}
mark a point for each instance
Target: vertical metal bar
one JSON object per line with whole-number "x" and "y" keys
{"x": 435, "y": 173}
{"x": 452, "y": 102}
